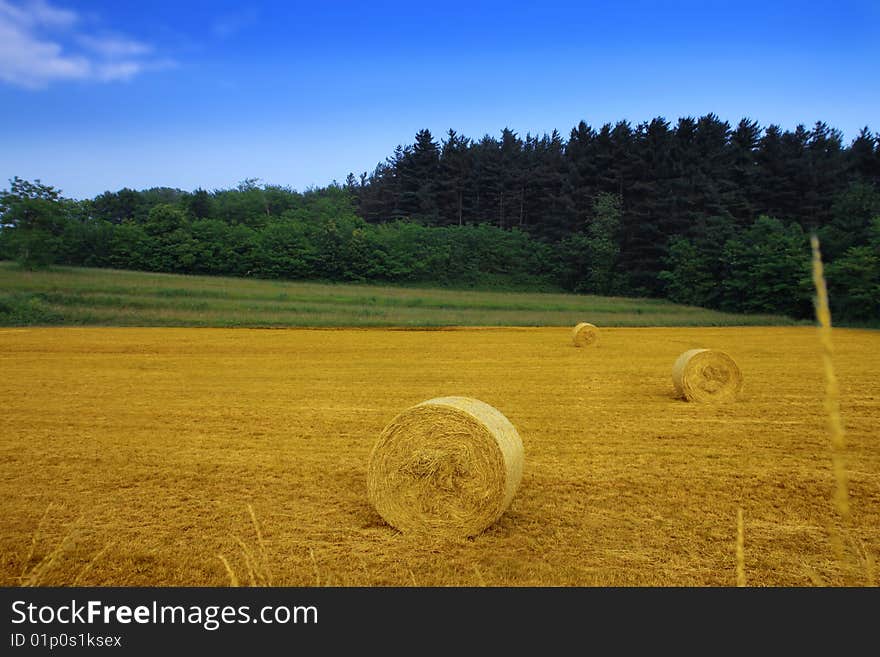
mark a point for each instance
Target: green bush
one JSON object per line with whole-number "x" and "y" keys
{"x": 22, "y": 309}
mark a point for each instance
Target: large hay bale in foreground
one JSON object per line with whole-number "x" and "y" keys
{"x": 584, "y": 334}
{"x": 448, "y": 466}
{"x": 706, "y": 375}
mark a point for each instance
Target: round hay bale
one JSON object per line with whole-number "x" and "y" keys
{"x": 448, "y": 466}
{"x": 706, "y": 375}
{"x": 584, "y": 334}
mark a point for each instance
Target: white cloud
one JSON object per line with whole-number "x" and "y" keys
{"x": 37, "y": 13}
{"x": 41, "y": 43}
{"x": 31, "y": 62}
{"x": 113, "y": 46}
{"x": 45, "y": 14}
{"x": 118, "y": 71}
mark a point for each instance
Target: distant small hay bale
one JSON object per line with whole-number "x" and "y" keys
{"x": 706, "y": 375}
{"x": 448, "y": 466}
{"x": 584, "y": 334}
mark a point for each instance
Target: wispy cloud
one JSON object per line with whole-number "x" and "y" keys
{"x": 114, "y": 46}
{"x": 41, "y": 43}
{"x": 37, "y": 13}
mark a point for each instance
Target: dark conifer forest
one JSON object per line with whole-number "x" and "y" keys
{"x": 697, "y": 211}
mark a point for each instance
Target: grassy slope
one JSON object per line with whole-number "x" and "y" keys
{"x": 77, "y": 296}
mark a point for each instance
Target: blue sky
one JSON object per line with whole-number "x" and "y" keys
{"x": 98, "y": 95}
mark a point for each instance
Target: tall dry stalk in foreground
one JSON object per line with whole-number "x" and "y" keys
{"x": 740, "y": 550}
{"x": 256, "y": 562}
{"x": 33, "y": 545}
{"x": 832, "y": 399}
{"x": 40, "y": 574}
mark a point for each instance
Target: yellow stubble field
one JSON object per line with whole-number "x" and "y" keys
{"x": 206, "y": 456}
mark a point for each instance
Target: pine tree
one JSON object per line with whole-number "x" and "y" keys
{"x": 744, "y": 141}
{"x": 512, "y": 191}
{"x": 456, "y": 180}
{"x": 797, "y": 175}
{"x": 862, "y": 157}
{"x": 419, "y": 170}
{"x": 580, "y": 152}
{"x": 826, "y": 166}
{"x": 487, "y": 179}
{"x": 648, "y": 206}
{"x": 772, "y": 195}
{"x": 554, "y": 212}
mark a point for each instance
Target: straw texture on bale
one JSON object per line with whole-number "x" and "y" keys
{"x": 448, "y": 466}
{"x": 706, "y": 375}
{"x": 584, "y": 335}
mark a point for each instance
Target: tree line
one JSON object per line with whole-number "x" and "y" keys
{"x": 699, "y": 212}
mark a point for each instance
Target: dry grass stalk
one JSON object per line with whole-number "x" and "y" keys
{"x": 815, "y": 578}
{"x": 740, "y": 550}
{"x": 35, "y": 537}
{"x": 256, "y": 563}
{"x": 870, "y": 567}
{"x": 78, "y": 580}
{"x": 38, "y": 574}
{"x": 832, "y": 391}
{"x": 233, "y": 578}
{"x": 264, "y": 560}
{"x": 315, "y": 567}
{"x": 480, "y": 581}
{"x": 840, "y": 497}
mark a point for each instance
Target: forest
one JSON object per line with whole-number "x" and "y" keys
{"x": 699, "y": 212}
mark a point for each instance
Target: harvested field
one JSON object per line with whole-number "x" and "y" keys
{"x": 135, "y": 457}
